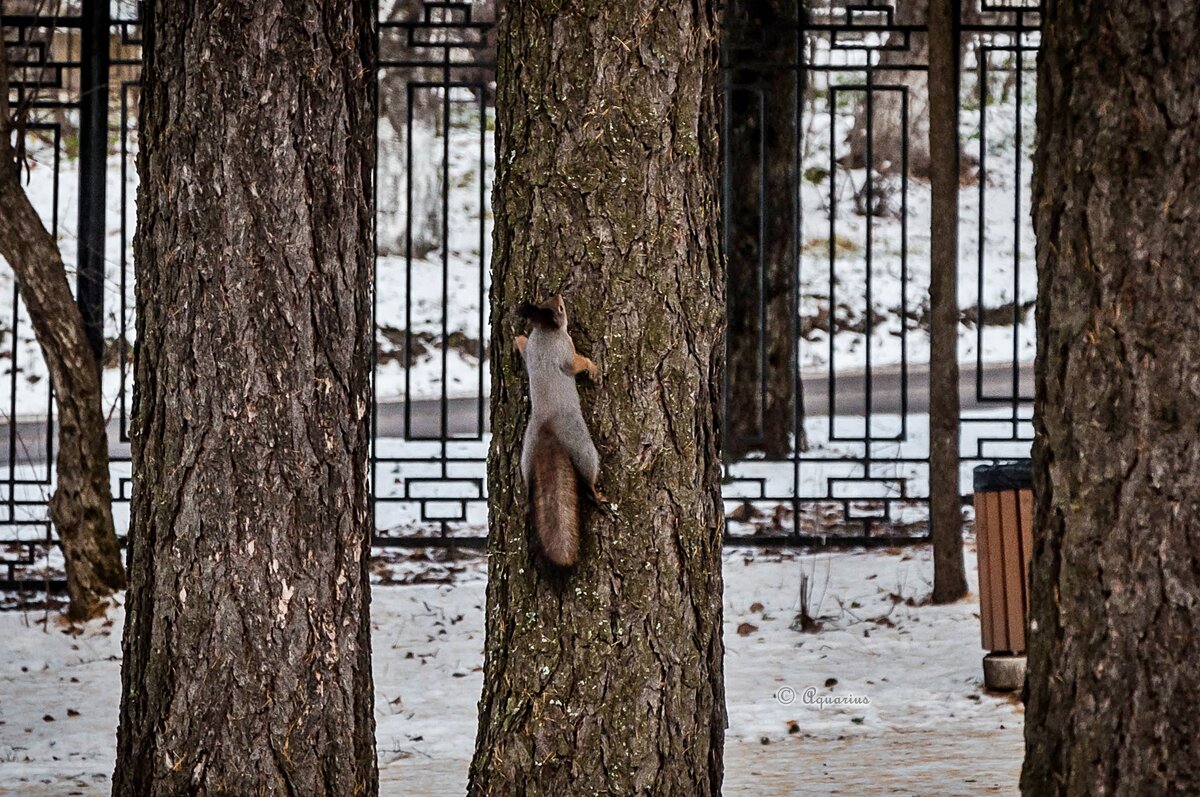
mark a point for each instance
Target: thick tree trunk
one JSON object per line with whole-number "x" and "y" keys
{"x": 247, "y": 661}
{"x": 761, "y": 220}
{"x": 609, "y": 679}
{"x": 81, "y": 507}
{"x": 1114, "y": 657}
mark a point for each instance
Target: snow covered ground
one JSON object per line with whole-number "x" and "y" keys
{"x": 929, "y": 727}
{"x": 997, "y": 269}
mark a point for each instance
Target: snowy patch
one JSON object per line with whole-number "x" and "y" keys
{"x": 930, "y": 727}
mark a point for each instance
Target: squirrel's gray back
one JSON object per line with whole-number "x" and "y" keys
{"x": 548, "y": 357}
{"x": 554, "y": 398}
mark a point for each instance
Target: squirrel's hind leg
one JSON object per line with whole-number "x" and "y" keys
{"x": 596, "y": 495}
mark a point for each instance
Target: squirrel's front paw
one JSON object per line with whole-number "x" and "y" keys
{"x": 593, "y": 372}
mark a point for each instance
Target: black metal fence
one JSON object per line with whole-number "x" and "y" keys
{"x": 826, "y": 225}
{"x": 826, "y": 127}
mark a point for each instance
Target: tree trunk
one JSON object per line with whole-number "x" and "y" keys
{"x": 945, "y": 499}
{"x": 608, "y": 679}
{"x": 898, "y": 65}
{"x": 761, "y": 223}
{"x": 81, "y": 507}
{"x": 417, "y": 229}
{"x": 247, "y": 660}
{"x": 1114, "y": 657}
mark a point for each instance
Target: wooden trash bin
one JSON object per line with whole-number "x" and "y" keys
{"x": 1004, "y": 540}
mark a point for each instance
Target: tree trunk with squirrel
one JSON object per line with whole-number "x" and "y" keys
{"x": 81, "y": 507}
{"x": 607, "y": 678}
{"x": 1114, "y": 654}
{"x": 247, "y": 653}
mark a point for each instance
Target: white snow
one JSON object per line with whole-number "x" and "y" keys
{"x": 930, "y": 728}
{"x": 898, "y": 279}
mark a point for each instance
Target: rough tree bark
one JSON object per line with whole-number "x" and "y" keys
{"x": 1114, "y": 656}
{"x": 81, "y": 507}
{"x": 760, "y": 209}
{"x": 609, "y": 679}
{"x": 247, "y": 661}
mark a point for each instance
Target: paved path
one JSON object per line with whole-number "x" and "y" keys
{"x": 905, "y": 763}
{"x": 850, "y": 398}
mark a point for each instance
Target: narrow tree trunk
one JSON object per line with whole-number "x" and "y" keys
{"x": 945, "y": 501}
{"x": 1114, "y": 657}
{"x": 81, "y": 507}
{"x": 761, "y": 220}
{"x": 609, "y": 679}
{"x": 247, "y": 660}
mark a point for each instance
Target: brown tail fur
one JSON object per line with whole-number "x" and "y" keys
{"x": 555, "y": 490}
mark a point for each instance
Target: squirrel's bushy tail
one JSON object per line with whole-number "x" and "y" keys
{"x": 555, "y": 490}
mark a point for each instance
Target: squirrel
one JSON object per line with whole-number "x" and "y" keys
{"x": 557, "y": 451}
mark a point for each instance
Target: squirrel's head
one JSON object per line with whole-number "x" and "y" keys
{"x": 551, "y": 313}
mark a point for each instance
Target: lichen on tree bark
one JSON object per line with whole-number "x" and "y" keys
{"x": 609, "y": 679}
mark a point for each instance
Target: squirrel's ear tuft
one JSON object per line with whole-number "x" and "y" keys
{"x": 527, "y": 310}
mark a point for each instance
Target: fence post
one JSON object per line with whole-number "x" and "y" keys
{"x": 945, "y": 503}
{"x": 93, "y": 156}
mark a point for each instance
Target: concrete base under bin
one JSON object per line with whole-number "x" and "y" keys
{"x": 1003, "y": 672}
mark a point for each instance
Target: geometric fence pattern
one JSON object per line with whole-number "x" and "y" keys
{"x": 848, "y": 78}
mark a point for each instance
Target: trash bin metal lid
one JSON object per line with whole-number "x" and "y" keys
{"x": 1016, "y": 475}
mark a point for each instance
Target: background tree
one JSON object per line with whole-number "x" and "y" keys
{"x": 609, "y": 679}
{"x": 762, "y": 39}
{"x": 417, "y": 110}
{"x": 406, "y": 112}
{"x": 902, "y": 51}
{"x": 247, "y": 663}
{"x": 81, "y": 507}
{"x": 1114, "y": 657}
{"x": 897, "y": 64}
{"x": 945, "y": 408}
